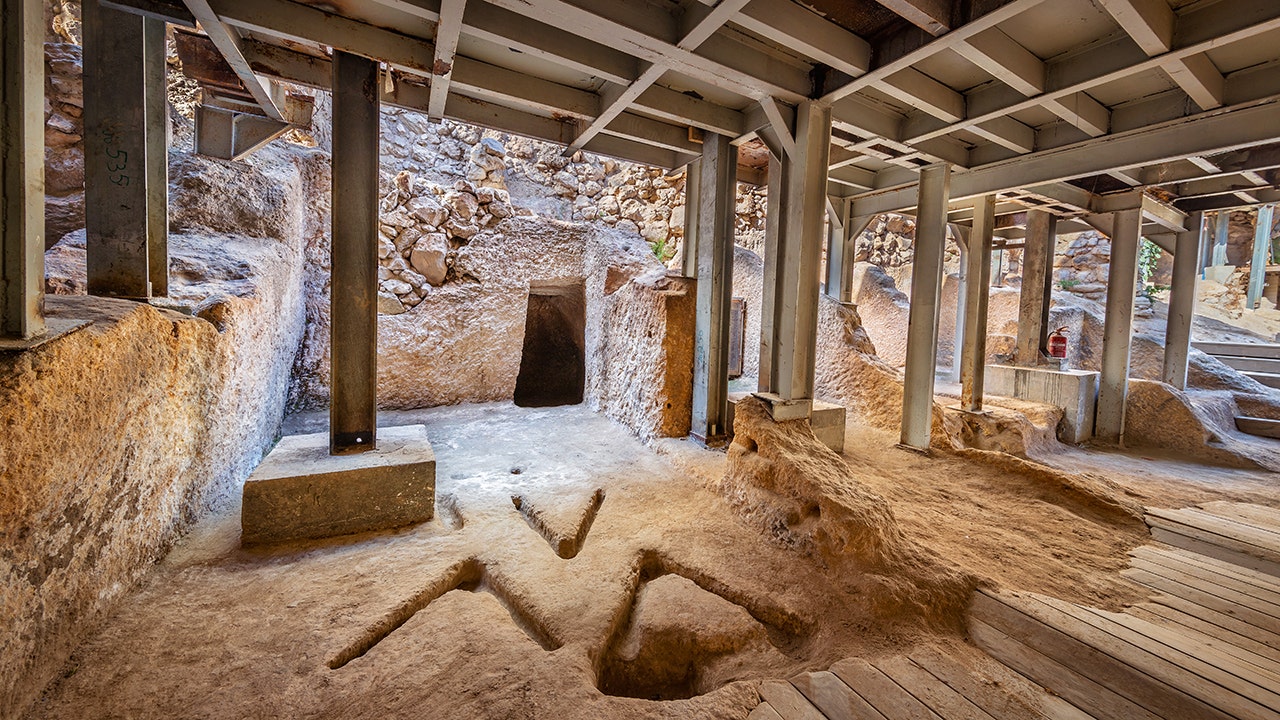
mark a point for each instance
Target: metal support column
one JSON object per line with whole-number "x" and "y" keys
{"x": 1261, "y": 254}
{"x": 835, "y": 250}
{"x": 692, "y": 198}
{"x": 774, "y": 232}
{"x": 1222, "y": 228}
{"x": 1182, "y": 301}
{"x": 353, "y": 293}
{"x": 961, "y": 234}
{"x": 22, "y": 170}
{"x": 717, "y": 189}
{"x": 1037, "y": 286}
{"x": 1122, "y": 285}
{"x": 926, "y": 287}
{"x": 124, "y": 136}
{"x": 794, "y": 306}
{"x": 973, "y": 358}
{"x": 853, "y": 229}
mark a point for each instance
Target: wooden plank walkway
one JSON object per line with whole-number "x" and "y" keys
{"x": 1206, "y": 645}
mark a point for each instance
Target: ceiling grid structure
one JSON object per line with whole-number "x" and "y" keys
{"x": 1103, "y": 96}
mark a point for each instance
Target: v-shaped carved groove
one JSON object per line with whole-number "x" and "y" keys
{"x": 469, "y": 575}
{"x": 565, "y": 546}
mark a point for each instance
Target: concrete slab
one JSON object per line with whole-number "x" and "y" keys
{"x": 300, "y": 491}
{"x": 1075, "y": 391}
{"x": 826, "y": 419}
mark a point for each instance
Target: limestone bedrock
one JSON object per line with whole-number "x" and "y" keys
{"x": 300, "y": 491}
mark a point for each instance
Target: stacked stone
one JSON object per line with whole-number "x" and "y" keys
{"x": 64, "y": 144}
{"x": 887, "y": 241}
{"x": 421, "y": 226}
{"x": 1081, "y": 265}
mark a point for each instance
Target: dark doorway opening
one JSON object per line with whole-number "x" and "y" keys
{"x": 553, "y": 364}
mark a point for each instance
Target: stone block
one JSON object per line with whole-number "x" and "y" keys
{"x": 300, "y": 491}
{"x": 1075, "y": 391}
{"x": 827, "y": 420}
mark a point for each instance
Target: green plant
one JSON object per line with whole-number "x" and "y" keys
{"x": 1148, "y": 259}
{"x": 663, "y": 249}
{"x": 1068, "y": 283}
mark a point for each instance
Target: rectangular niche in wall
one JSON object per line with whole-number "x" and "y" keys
{"x": 553, "y": 363}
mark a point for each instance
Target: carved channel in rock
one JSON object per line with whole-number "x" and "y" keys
{"x": 553, "y": 361}
{"x": 564, "y": 528}
{"x": 467, "y": 576}
{"x": 684, "y": 633}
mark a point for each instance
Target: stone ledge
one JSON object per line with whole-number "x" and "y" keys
{"x": 301, "y": 492}
{"x": 1075, "y": 391}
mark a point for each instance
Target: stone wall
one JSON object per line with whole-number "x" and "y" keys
{"x": 114, "y": 439}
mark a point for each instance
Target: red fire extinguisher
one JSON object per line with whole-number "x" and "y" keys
{"x": 1058, "y": 343}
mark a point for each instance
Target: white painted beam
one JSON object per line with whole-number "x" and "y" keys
{"x": 448, "y": 29}
{"x": 228, "y": 43}
{"x": 1199, "y": 78}
{"x": 1082, "y": 111}
{"x": 795, "y": 27}
{"x": 923, "y": 92}
{"x": 1006, "y": 60}
{"x": 1149, "y": 22}
{"x": 932, "y": 16}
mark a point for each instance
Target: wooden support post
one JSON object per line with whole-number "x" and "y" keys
{"x": 1122, "y": 285}
{"x": 926, "y": 287}
{"x": 22, "y": 168}
{"x": 794, "y": 306}
{"x": 1261, "y": 254}
{"x": 692, "y": 201}
{"x": 1182, "y": 301}
{"x": 717, "y": 190}
{"x": 353, "y": 293}
{"x": 973, "y": 358}
{"x": 124, "y": 125}
{"x": 1222, "y": 230}
{"x": 1037, "y": 279}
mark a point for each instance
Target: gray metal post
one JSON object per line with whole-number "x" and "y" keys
{"x": 22, "y": 170}
{"x": 123, "y": 55}
{"x": 156, "y": 111}
{"x": 1182, "y": 301}
{"x": 692, "y": 199}
{"x": 962, "y": 288}
{"x": 853, "y": 229}
{"x": 717, "y": 191}
{"x": 353, "y": 293}
{"x": 774, "y": 230}
{"x": 926, "y": 286}
{"x": 1122, "y": 285}
{"x": 1261, "y": 254}
{"x": 973, "y": 359}
{"x": 835, "y": 254}
{"x": 1037, "y": 278}
{"x": 1222, "y": 228}
{"x": 795, "y": 302}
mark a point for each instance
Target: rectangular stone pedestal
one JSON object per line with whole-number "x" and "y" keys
{"x": 826, "y": 419}
{"x": 300, "y": 491}
{"x": 1075, "y": 391}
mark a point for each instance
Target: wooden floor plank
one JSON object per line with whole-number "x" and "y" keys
{"x": 1072, "y": 644}
{"x": 1210, "y": 597}
{"x": 834, "y": 698}
{"x": 880, "y": 691}
{"x": 1163, "y": 553}
{"x": 764, "y": 711}
{"x": 996, "y": 697}
{"x": 1248, "y": 648}
{"x": 1205, "y": 544}
{"x": 1228, "y": 621}
{"x": 1265, "y": 539}
{"x": 1261, "y": 670}
{"x": 931, "y": 691}
{"x": 1219, "y": 586}
{"x": 787, "y": 701}
{"x": 1079, "y": 690}
{"x": 1261, "y": 516}
{"x": 1211, "y": 678}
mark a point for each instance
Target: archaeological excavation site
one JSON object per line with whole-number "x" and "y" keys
{"x": 621, "y": 359}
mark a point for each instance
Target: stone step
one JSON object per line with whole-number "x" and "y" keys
{"x": 1256, "y": 350}
{"x": 1251, "y": 364}
{"x": 1262, "y": 427}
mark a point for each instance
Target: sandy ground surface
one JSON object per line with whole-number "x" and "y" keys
{"x": 544, "y": 610}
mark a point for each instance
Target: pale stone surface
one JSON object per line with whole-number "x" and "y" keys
{"x": 301, "y": 492}
{"x": 1075, "y": 391}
